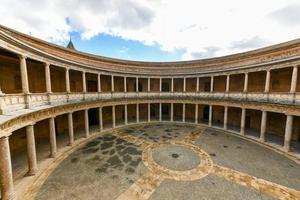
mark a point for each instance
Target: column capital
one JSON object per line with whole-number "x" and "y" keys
{"x": 22, "y": 56}
{"x": 46, "y": 64}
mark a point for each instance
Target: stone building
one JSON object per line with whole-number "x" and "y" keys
{"x": 51, "y": 97}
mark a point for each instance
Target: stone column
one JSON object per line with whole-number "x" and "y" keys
{"x": 246, "y": 83}
{"x": 86, "y": 123}
{"x": 6, "y": 176}
{"x": 100, "y": 119}
{"x": 99, "y": 83}
{"x": 227, "y": 83}
{"x": 267, "y": 84}
{"x": 137, "y": 113}
{"x": 126, "y": 115}
{"x": 160, "y": 84}
{"x": 71, "y": 129}
{"x": 172, "y": 112}
{"x": 114, "y": 116}
{"x": 149, "y": 88}
{"x": 149, "y": 112}
{"x": 53, "y": 147}
{"x": 196, "y": 114}
{"x": 263, "y": 126}
{"x": 210, "y": 116}
{"x": 31, "y": 151}
{"x": 243, "y": 117}
{"x": 294, "y": 80}
{"x": 288, "y": 133}
{"x": 48, "y": 78}
{"x": 24, "y": 75}
{"x": 183, "y": 112}
{"x": 83, "y": 82}
{"x": 211, "y": 83}
{"x": 112, "y": 84}
{"x": 160, "y": 117}
{"x": 125, "y": 84}
{"x": 184, "y": 84}
{"x": 225, "y": 117}
{"x": 197, "y": 84}
{"x": 172, "y": 84}
{"x": 137, "y": 84}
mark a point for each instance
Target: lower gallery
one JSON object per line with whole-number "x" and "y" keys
{"x": 79, "y": 126}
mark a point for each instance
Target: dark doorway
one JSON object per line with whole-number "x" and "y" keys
{"x": 165, "y": 87}
{"x": 93, "y": 119}
{"x": 206, "y": 113}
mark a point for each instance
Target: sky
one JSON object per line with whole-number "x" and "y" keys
{"x": 156, "y": 30}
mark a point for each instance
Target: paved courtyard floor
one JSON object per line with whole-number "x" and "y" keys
{"x": 162, "y": 161}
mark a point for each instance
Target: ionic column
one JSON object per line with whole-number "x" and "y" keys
{"x": 196, "y": 114}
{"x": 84, "y": 82}
{"x": 172, "y": 84}
{"x": 86, "y": 123}
{"x": 263, "y": 126}
{"x": 183, "y": 112}
{"x": 68, "y": 90}
{"x": 160, "y": 117}
{"x": 243, "y": 117}
{"x": 172, "y": 112}
{"x": 112, "y": 84}
{"x": 31, "y": 150}
{"x": 160, "y": 84}
{"x": 125, "y": 84}
{"x": 288, "y": 133}
{"x": 227, "y": 83}
{"x": 184, "y": 84}
{"x": 197, "y": 89}
{"x": 99, "y": 83}
{"x": 294, "y": 79}
{"x": 137, "y": 113}
{"x": 149, "y": 88}
{"x": 100, "y": 119}
{"x": 225, "y": 117}
{"x": 149, "y": 112}
{"x": 24, "y": 75}
{"x": 53, "y": 147}
{"x": 211, "y": 83}
{"x": 246, "y": 83}
{"x": 6, "y": 176}
{"x": 267, "y": 84}
{"x": 137, "y": 84}
{"x": 126, "y": 115}
{"x": 210, "y": 116}
{"x": 71, "y": 129}
{"x": 114, "y": 116}
{"x": 48, "y": 78}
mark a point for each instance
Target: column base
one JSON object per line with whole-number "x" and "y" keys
{"x": 32, "y": 172}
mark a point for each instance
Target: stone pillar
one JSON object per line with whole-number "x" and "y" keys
{"x": 137, "y": 84}
{"x": 211, "y": 83}
{"x": 227, "y": 83}
{"x": 137, "y": 113}
{"x": 172, "y": 84}
{"x": 100, "y": 119}
{"x": 172, "y": 112}
{"x": 243, "y": 117}
{"x": 183, "y": 112}
{"x": 294, "y": 80}
{"x": 263, "y": 126}
{"x": 48, "y": 78}
{"x": 114, "y": 116}
{"x": 6, "y": 176}
{"x": 246, "y": 83}
{"x": 160, "y": 117}
{"x": 210, "y": 116}
{"x": 125, "y": 84}
{"x": 126, "y": 115}
{"x": 68, "y": 90}
{"x": 160, "y": 84}
{"x": 267, "y": 84}
{"x": 86, "y": 123}
{"x": 31, "y": 151}
{"x": 149, "y": 85}
{"x": 83, "y": 82}
{"x": 112, "y": 84}
{"x": 288, "y": 133}
{"x": 99, "y": 83}
{"x": 225, "y": 117}
{"x": 149, "y": 112}
{"x": 53, "y": 147}
{"x": 24, "y": 75}
{"x": 184, "y": 84}
{"x": 196, "y": 114}
{"x": 197, "y": 84}
{"x": 71, "y": 129}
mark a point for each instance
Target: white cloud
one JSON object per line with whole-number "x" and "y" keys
{"x": 202, "y": 28}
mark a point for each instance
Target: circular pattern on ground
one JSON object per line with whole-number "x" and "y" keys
{"x": 175, "y": 157}
{"x": 177, "y": 160}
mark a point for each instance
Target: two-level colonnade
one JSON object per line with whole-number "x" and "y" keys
{"x": 52, "y": 97}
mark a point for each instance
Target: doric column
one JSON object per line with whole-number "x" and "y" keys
{"x": 227, "y": 83}
{"x": 197, "y": 89}
{"x": 184, "y": 84}
{"x": 263, "y": 126}
{"x": 114, "y": 116}
{"x": 288, "y": 133}
{"x": 172, "y": 84}
{"x": 112, "y": 84}
{"x": 294, "y": 79}
{"x": 71, "y": 129}
{"x": 137, "y": 113}
{"x": 225, "y": 117}
{"x": 48, "y": 78}
{"x": 243, "y": 117}
{"x": 196, "y": 114}
{"x": 6, "y": 176}
{"x": 68, "y": 90}
{"x": 172, "y": 112}
{"x": 210, "y": 116}
{"x": 126, "y": 115}
{"x": 183, "y": 112}
{"x": 160, "y": 117}
{"x": 149, "y": 85}
{"x": 211, "y": 83}
{"x": 24, "y": 75}
{"x": 86, "y": 123}
{"x": 100, "y": 119}
{"x": 137, "y": 84}
{"x": 246, "y": 83}
{"x": 149, "y": 112}
{"x": 267, "y": 84}
{"x": 125, "y": 84}
{"x": 99, "y": 83}
{"x": 84, "y": 82}
{"x": 160, "y": 84}
{"x": 53, "y": 147}
{"x": 31, "y": 150}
